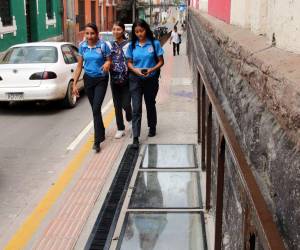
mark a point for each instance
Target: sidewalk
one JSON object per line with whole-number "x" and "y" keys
{"x": 69, "y": 225}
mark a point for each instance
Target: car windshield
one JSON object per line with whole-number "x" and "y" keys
{"x": 30, "y": 54}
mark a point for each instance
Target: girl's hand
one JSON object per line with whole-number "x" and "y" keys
{"x": 149, "y": 72}
{"x": 75, "y": 91}
{"x": 106, "y": 67}
{"x": 138, "y": 72}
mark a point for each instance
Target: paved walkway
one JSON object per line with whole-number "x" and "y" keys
{"x": 69, "y": 223}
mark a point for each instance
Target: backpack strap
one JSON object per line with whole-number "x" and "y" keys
{"x": 156, "y": 57}
{"x": 155, "y": 54}
{"x": 121, "y": 47}
{"x": 100, "y": 47}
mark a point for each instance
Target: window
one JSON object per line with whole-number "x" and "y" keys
{"x": 75, "y": 51}
{"x": 106, "y": 18}
{"x": 5, "y": 13}
{"x": 49, "y": 9}
{"x": 81, "y": 14}
{"x": 68, "y": 55}
{"x": 93, "y": 11}
{"x": 31, "y": 54}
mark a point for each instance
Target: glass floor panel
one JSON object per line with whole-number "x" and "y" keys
{"x": 166, "y": 190}
{"x": 169, "y": 156}
{"x": 162, "y": 231}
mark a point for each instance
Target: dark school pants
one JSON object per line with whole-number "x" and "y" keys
{"x": 139, "y": 87}
{"x": 95, "y": 89}
{"x": 122, "y": 100}
{"x": 176, "y": 47}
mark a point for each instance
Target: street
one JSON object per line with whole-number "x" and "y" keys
{"x": 211, "y": 156}
{"x": 33, "y": 152}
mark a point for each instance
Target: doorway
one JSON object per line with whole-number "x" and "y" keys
{"x": 28, "y": 20}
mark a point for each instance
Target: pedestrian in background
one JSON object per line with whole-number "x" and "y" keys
{"x": 176, "y": 40}
{"x": 94, "y": 56}
{"x": 119, "y": 78}
{"x": 145, "y": 58}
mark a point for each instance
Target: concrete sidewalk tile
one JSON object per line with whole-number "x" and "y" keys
{"x": 65, "y": 244}
{"x": 71, "y": 230}
{"x": 79, "y": 202}
{"x": 42, "y": 244}
{"x": 55, "y": 243}
{"x": 84, "y": 186}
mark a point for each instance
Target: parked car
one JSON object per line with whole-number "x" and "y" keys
{"x": 107, "y": 36}
{"x": 39, "y": 71}
{"x": 128, "y": 30}
{"x": 160, "y": 31}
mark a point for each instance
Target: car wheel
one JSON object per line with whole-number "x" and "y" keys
{"x": 70, "y": 100}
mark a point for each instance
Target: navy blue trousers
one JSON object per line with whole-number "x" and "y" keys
{"x": 139, "y": 87}
{"x": 95, "y": 89}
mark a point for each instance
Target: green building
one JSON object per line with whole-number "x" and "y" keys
{"x": 29, "y": 21}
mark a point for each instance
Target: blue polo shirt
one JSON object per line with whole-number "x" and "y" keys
{"x": 94, "y": 58}
{"x": 143, "y": 57}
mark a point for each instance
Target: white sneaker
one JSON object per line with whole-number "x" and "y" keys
{"x": 119, "y": 134}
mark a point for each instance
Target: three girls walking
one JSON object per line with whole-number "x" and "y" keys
{"x": 134, "y": 73}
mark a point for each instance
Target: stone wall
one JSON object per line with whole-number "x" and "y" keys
{"x": 266, "y": 127}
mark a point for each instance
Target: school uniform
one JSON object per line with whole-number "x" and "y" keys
{"x": 143, "y": 57}
{"x": 95, "y": 81}
{"x": 120, "y": 90}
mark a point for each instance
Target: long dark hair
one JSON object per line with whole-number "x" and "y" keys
{"x": 93, "y": 27}
{"x": 122, "y": 25}
{"x": 141, "y": 23}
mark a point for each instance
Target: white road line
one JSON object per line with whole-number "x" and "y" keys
{"x": 83, "y": 133}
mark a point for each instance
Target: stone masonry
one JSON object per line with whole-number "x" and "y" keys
{"x": 258, "y": 88}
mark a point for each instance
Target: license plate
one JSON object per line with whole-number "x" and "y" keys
{"x": 15, "y": 96}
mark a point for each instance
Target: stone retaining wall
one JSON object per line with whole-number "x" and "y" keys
{"x": 263, "y": 108}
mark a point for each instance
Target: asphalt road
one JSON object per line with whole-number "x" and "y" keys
{"x": 33, "y": 152}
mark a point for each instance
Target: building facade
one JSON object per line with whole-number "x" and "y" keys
{"x": 279, "y": 21}
{"x": 126, "y": 11}
{"x": 78, "y": 13}
{"x": 29, "y": 21}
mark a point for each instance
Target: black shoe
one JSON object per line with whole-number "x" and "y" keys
{"x": 96, "y": 147}
{"x": 152, "y": 132}
{"x": 135, "y": 143}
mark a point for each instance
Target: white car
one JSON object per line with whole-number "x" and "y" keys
{"x": 128, "y": 29}
{"x": 107, "y": 36}
{"x": 39, "y": 71}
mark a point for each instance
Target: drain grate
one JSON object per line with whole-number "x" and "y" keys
{"x": 107, "y": 219}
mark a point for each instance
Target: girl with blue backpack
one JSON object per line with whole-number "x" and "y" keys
{"x": 119, "y": 78}
{"x": 145, "y": 58}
